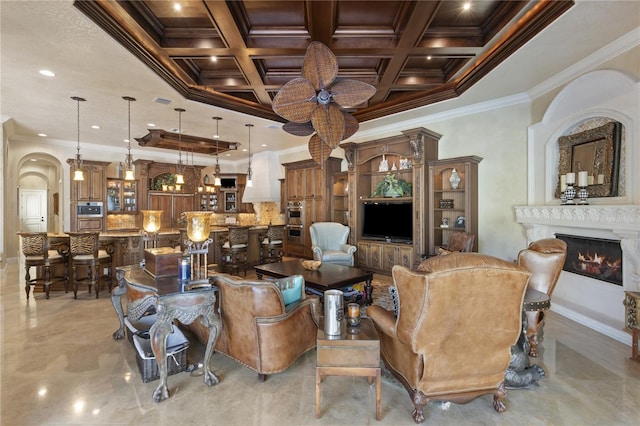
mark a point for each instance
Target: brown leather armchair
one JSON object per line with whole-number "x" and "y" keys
{"x": 258, "y": 330}
{"x": 456, "y": 323}
{"x": 544, "y": 259}
{"x": 460, "y": 241}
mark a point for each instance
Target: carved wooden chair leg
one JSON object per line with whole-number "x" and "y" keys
{"x": 498, "y": 403}
{"x": 27, "y": 281}
{"x": 419, "y": 401}
{"x": 47, "y": 279}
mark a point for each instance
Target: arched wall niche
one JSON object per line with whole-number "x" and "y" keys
{"x": 591, "y": 100}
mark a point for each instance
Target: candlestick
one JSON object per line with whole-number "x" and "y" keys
{"x": 570, "y": 193}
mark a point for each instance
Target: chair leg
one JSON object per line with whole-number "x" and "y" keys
{"x": 27, "y": 281}
{"x": 74, "y": 281}
{"x": 47, "y": 279}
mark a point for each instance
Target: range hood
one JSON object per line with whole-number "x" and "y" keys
{"x": 266, "y": 170}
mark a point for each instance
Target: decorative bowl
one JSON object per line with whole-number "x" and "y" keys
{"x": 311, "y": 265}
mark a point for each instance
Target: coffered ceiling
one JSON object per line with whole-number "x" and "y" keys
{"x": 237, "y": 54}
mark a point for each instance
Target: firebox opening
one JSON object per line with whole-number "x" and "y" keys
{"x": 596, "y": 258}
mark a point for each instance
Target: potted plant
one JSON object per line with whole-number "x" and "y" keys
{"x": 392, "y": 186}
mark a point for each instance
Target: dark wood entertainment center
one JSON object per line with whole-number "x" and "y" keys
{"x": 412, "y": 156}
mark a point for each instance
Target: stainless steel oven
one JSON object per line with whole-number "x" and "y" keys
{"x": 295, "y": 222}
{"x": 90, "y": 209}
{"x": 295, "y": 234}
{"x": 295, "y": 213}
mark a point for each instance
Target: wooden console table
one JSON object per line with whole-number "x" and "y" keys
{"x": 170, "y": 301}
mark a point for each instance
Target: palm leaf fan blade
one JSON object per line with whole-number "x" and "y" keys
{"x": 319, "y": 151}
{"x": 320, "y": 65}
{"x": 295, "y": 101}
{"x": 329, "y": 124}
{"x": 351, "y": 125}
{"x": 351, "y": 93}
{"x": 298, "y": 129}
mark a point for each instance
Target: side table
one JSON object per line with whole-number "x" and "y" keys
{"x": 171, "y": 302}
{"x": 350, "y": 355}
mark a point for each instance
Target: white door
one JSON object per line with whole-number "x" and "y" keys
{"x": 33, "y": 210}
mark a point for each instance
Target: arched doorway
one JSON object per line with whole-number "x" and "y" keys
{"x": 39, "y": 193}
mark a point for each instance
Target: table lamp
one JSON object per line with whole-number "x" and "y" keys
{"x": 151, "y": 222}
{"x": 198, "y": 230}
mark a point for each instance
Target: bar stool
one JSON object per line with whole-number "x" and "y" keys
{"x": 234, "y": 250}
{"x": 35, "y": 248}
{"x": 271, "y": 247}
{"x": 84, "y": 252}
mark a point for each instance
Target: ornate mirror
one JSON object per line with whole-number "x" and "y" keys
{"x": 596, "y": 151}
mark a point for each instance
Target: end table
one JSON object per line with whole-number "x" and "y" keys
{"x": 350, "y": 355}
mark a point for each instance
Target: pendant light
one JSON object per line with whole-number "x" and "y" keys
{"x": 78, "y": 174}
{"x": 179, "y": 166}
{"x": 216, "y": 177}
{"x": 249, "y": 172}
{"x": 128, "y": 161}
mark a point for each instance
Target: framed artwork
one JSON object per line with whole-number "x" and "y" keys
{"x": 460, "y": 222}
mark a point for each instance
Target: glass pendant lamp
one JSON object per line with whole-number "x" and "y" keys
{"x": 249, "y": 172}
{"x": 179, "y": 166}
{"x": 216, "y": 178}
{"x": 78, "y": 174}
{"x": 129, "y": 168}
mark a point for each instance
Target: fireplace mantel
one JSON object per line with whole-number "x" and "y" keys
{"x": 621, "y": 222}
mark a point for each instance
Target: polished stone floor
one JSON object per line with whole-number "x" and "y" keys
{"x": 60, "y": 366}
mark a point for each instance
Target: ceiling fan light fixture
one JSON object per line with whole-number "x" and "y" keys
{"x": 129, "y": 167}
{"x": 78, "y": 174}
{"x": 316, "y": 99}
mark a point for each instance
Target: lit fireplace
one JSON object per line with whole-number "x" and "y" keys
{"x": 594, "y": 257}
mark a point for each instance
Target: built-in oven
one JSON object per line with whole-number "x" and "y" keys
{"x": 295, "y": 234}
{"x": 90, "y": 209}
{"x": 295, "y": 213}
{"x": 295, "y": 222}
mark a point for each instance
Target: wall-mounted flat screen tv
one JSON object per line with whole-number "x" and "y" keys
{"x": 388, "y": 221}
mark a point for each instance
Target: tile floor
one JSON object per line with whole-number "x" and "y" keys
{"x": 60, "y": 366}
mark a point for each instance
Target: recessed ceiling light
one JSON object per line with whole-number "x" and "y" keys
{"x": 177, "y": 7}
{"x": 429, "y": 58}
{"x": 42, "y": 135}
{"x": 264, "y": 144}
{"x": 95, "y": 126}
{"x": 214, "y": 59}
{"x": 151, "y": 124}
{"x": 466, "y": 6}
{"x": 33, "y": 159}
{"x": 228, "y": 155}
{"x": 244, "y": 149}
{"x": 47, "y": 73}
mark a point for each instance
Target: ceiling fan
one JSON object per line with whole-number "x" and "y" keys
{"x": 313, "y": 103}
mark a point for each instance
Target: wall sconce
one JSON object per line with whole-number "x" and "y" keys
{"x": 198, "y": 231}
{"x": 151, "y": 222}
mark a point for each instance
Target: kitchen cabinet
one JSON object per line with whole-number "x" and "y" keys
{"x": 310, "y": 183}
{"x": 121, "y": 196}
{"x": 172, "y": 204}
{"x": 91, "y": 189}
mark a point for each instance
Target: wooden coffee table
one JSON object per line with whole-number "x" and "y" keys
{"x": 328, "y": 276}
{"x": 349, "y": 355}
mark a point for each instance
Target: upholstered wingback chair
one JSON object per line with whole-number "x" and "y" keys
{"x": 456, "y": 323}
{"x": 544, "y": 259}
{"x": 266, "y": 325}
{"x": 460, "y": 241}
{"x": 329, "y": 243}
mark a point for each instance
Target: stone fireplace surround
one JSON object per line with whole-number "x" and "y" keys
{"x": 597, "y": 96}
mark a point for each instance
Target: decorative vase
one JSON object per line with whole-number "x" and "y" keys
{"x": 454, "y": 179}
